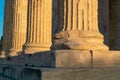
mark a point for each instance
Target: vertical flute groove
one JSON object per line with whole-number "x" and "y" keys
{"x": 40, "y": 25}
{"x": 19, "y": 25}
{"x": 78, "y": 15}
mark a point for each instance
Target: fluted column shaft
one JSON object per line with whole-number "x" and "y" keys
{"x": 19, "y": 26}
{"x": 7, "y": 30}
{"x": 39, "y": 26}
{"x": 78, "y": 15}
{"x": 78, "y": 26}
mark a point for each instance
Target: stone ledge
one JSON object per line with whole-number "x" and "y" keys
{"x": 81, "y": 74}
{"x": 37, "y": 73}
{"x": 58, "y": 58}
{"x": 66, "y": 59}
{"x": 106, "y": 58}
{"x": 72, "y": 58}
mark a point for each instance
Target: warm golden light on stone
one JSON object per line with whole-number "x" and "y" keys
{"x": 19, "y": 26}
{"x": 60, "y": 40}
{"x": 78, "y": 26}
{"x": 39, "y": 29}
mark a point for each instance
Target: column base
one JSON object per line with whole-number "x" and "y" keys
{"x": 2, "y": 54}
{"x": 79, "y": 40}
{"x": 15, "y": 52}
{"x": 31, "y": 48}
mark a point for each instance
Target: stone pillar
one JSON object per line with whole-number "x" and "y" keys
{"x": 19, "y": 26}
{"x": 78, "y": 26}
{"x": 7, "y": 30}
{"x": 39, "y": 26}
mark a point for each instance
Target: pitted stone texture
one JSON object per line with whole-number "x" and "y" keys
{"x": 79, "y": 40}
{"x": 72, "y": 58}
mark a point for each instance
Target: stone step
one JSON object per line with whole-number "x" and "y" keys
{"x": 66, "y": 59}
{"x": 81, "y": 74}
{"x": 37, "y": 73}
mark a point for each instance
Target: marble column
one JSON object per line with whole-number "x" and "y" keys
{"x": 19, "y": 26}
{"x": 7, "y": 30}
{"x": 39, "y": 26}
{"x": 78, "y": 26}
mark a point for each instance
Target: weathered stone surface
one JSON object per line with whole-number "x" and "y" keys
{"x": 59, "y": 59}
{"x": 66, "y": 59}
{"x": 65, "y": 65}
{"x": 42, "y": 59}
{"x": 39, "y": 28}
{"x": 10, "y": 73}
{"x": 38, "y": 73}
{"x": 78, "y": 20}
{"x": 72, "y": 58}
{"x": 7, "y": 32}
{"x": 77, "y": 35}
{"x": 19, "y": 26}
{"x": 81, "y": 74}
{"x": 106, "y": 58}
